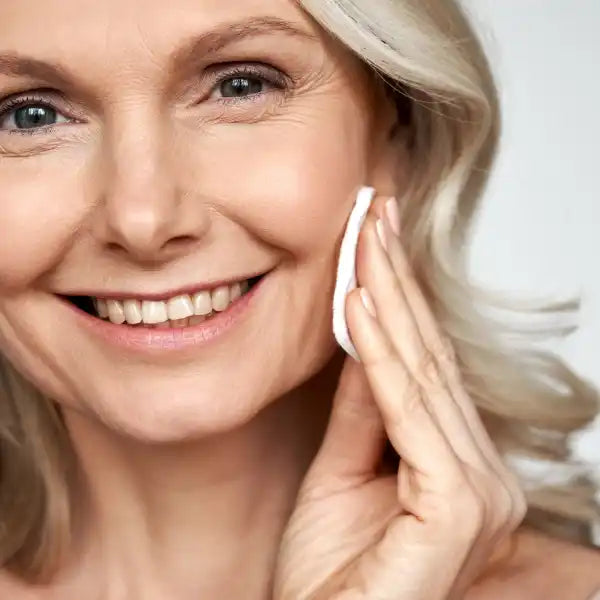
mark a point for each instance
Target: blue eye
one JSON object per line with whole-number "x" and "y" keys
{"x": 30, "y": 116}
{"x": 239, "y": 87}
{"x": 247, "y": 81}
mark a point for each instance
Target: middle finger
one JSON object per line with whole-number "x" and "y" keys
{"x": 404, "y": 334}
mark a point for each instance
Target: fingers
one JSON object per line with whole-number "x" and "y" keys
{"x": 403, "y": 330}
{"x": 436, "y": 345}
{"x": 411, "y": 330}
{"x": 354, "y": 440}
{"x": 409, "y": 425}
{"x": 433, "y": 341}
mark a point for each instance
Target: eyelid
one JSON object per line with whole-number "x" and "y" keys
{"x": 222, "y": 72}
{"x": 50, "y": 98}
{"x": 231, "y": 69}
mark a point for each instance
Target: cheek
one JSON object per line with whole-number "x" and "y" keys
{"x": 40, "y": 211}
{"x": 291, "y": 182}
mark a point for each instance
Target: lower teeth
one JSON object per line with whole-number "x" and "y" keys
{"x": 178, "y": 324}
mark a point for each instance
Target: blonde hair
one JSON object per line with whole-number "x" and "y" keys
{"x": 427, "y": 53}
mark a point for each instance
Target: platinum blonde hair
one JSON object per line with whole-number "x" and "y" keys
{"x": 429, "y": 56}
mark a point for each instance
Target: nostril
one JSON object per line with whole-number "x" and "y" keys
{"x": 153, "y": 252}
{"x": 180, "y": 241}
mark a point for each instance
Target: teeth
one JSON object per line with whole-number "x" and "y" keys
{"x": 180, "y": 307}
{"x": 102, "y": 308}
{"x": 235, "y": 292}
{"x": 220, "y": 298}
{"x": 116, "y": 314}
{"x": 178, "y": 312}
{"x": 202, "y": 303}
{"x": 133, "y": 311}
{"x": 154, "y": 312}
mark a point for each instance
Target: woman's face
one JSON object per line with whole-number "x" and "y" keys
{"x": 149, "y": 153}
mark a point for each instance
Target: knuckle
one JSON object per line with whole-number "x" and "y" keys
{"x": 503, "y": 509}
{"x": 518, "y": 499}
{"x": 441, "y": 509}
{"x": 506, "y": 502}
{"x": 463, "y": 509}
{"x": 446, "y": 351}
{"x": 472, "y": 509}
{"x": 427, "y": 369}
{"x": 413, "y": 401}
{"x": 519, "y": 509}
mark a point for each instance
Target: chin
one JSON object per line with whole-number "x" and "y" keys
{"x": 164, "y": 413}
{"x": 159, "y": 406}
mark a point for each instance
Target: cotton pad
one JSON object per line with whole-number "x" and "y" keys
{"x": 346, "y": 272}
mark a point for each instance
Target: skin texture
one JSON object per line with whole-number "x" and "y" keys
{"x": 194, "y": 464}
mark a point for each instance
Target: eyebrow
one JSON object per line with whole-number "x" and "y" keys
{"x": 196, "y": 49}
{"x": 213, "y": 41}
{"x": 21, "y": 66}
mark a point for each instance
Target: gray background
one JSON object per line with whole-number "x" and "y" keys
{"x": 539, "y": 230}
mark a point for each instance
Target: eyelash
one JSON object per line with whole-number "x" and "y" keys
{"x": 256, "y": 71}
{"x": 264, "y": 72}
{"x": 17, "y": 102}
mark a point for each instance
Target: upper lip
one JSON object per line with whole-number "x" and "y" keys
{"x": 124, "y": 294}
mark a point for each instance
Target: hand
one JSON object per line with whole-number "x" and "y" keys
{"x": 426, "y": 532}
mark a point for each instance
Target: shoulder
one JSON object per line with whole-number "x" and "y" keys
{"x": 541, "y": 568}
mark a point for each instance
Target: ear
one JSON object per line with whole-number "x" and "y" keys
{"x": 389, "y": 165}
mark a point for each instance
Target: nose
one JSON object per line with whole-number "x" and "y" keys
{"x": 143, "y": 213}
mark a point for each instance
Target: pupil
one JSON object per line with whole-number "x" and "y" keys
{"x": 241, "y": 86}
{"x": 30, "y": 117}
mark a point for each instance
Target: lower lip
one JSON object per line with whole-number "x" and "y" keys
{"x": 168, "y": 339}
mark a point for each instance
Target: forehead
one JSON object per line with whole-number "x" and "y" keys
{"x": 76, "y": 29}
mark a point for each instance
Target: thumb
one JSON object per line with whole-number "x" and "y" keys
{"x": 354, "y": 440}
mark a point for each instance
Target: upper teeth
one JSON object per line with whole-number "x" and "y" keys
{"x": 153, "y": 312}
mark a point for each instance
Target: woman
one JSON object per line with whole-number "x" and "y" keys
{"x": 177, "y": 420}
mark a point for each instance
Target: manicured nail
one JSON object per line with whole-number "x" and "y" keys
{"x": 367, "y": 301}
{"x": 393, "y": 215}
{"x": 381, "y": 233}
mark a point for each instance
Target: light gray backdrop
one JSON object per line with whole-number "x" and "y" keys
{"x": 539, "y": 230}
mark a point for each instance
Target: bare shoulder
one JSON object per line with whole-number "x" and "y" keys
{"x": 542, "y": 568}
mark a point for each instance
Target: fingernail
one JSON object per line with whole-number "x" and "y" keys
{"x": 381, "y": 233}
{"x": 393, "y": 215}
{"x": 367, "y": 301}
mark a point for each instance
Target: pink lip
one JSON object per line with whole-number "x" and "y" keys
{"x": 167, "y": 339}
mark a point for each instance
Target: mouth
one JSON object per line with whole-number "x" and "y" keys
{"x": 176, "y": 312}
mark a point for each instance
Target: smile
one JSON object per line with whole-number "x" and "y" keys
{"x": 179, "y": 311}
{"x": 177, "y": 321}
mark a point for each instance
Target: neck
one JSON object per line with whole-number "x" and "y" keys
{"x": 179, "y": 520}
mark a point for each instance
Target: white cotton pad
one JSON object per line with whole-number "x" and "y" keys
{"x": 346, "y": 272}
